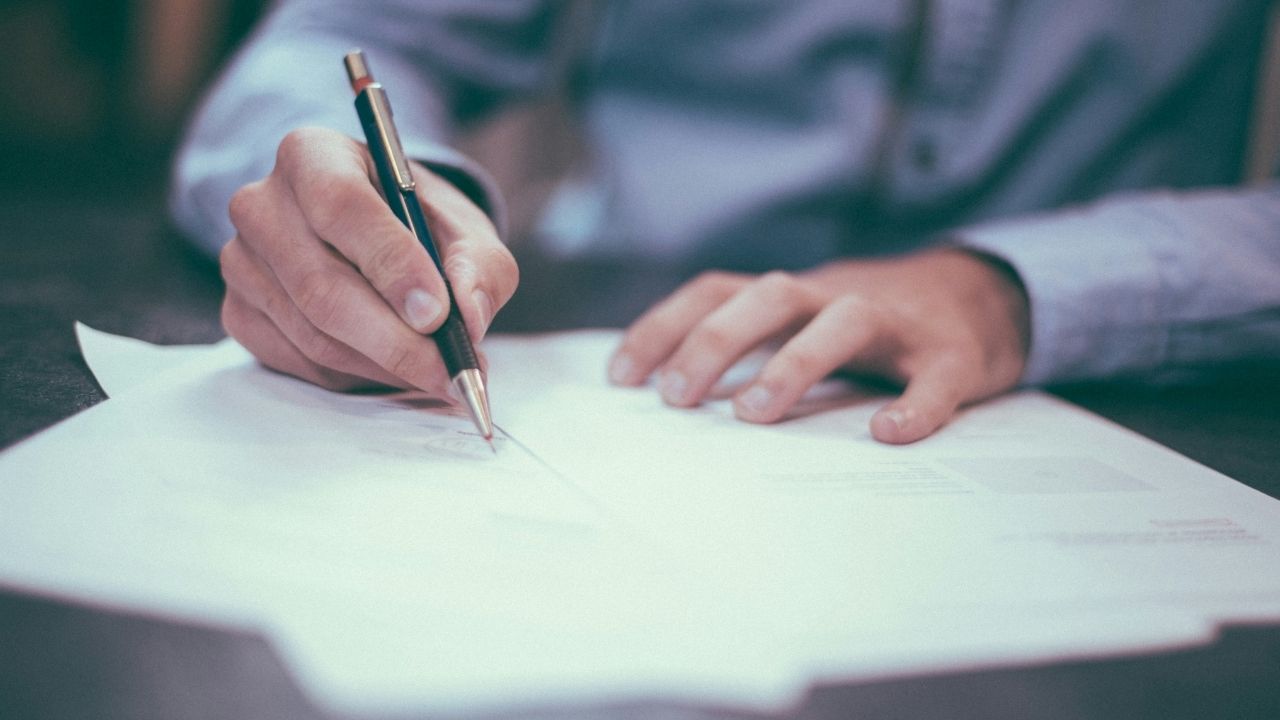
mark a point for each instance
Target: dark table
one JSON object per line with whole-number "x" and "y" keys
{"x": 115, "y": 265}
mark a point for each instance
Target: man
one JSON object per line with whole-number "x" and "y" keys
{"x": 957, "y": 195}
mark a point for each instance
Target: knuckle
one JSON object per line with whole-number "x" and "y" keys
{"x": 459, "y": 268}
{"x": 797, "y": 363}
{"x": 401, "y": 361}
{"x": 318, "y": 348}
{"x": 244, "y": 207}
{"x": 780, "y": 289}
{"x": 317, "y": 297}
{"x": 712, "y": 336}
{"x": 333, "y": 199}
{"x": 279, "y": 307}
{"x": 386, "y": 262}
{"x": 858, "y": 315}
{"x": 291, "y": 144}
{"x": 715, "y": 283}
{"x": 296, "y": 143}
{"x": 778, "y": 283}
{"x": 323, "y": 350}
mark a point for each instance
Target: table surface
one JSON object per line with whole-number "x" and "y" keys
{"x": 115, "y": 265}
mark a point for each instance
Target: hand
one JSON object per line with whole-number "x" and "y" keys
{"x": 949, "y": 324}
{"x": 325, "y": 283}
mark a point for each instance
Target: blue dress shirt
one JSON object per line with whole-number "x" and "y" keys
{"x": 1090, "y": 144}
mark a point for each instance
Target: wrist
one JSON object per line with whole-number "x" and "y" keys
{"x": 998, "y": 295}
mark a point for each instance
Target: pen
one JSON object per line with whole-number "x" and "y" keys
{"x": 401, "y": 193}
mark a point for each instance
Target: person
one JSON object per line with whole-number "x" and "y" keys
{"x": 961, "y": 196}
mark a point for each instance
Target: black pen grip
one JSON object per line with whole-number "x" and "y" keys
{"x": 455, "y": 345}
{"x": 451, "y": 338}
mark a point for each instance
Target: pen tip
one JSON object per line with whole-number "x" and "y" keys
{"x": 469, "y": 384}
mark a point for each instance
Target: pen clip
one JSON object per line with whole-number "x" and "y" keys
{"x": 380, "y": 108}
{"x": 388, "y": 137}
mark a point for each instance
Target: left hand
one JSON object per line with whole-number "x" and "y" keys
{"x": 949, "y": 324}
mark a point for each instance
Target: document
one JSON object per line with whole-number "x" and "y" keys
{"x": 609, "y": 548}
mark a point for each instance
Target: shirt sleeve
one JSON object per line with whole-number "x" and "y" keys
{"x": 444, "y": 65}
{"x": 1161, "y": 284}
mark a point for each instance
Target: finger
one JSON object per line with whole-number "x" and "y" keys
{"x": 930, "y": 399}
{"x": 840, "y": 332}
{"x": 481, "y": 270}
{"x": 335, "y": 187}
{"x": 483, "y": 278}
{"x": 255, "y": 331}
{"x": 657, "y": 333}
{"x": 252, "y": 282}
{"x": 761, "y": 309}
{"x": 329, "y": 291}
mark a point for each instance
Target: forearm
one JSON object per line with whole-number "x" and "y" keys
{"x": 1146, "y": 284}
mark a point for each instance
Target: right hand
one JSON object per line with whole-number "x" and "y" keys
{"x": 325, "y": 283}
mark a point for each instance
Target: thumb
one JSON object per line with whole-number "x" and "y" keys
{"x": 926, "y": 404}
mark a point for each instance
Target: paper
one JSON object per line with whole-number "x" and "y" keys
{"x": 614, "y": 548}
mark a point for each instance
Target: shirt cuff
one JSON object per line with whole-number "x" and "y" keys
{"x": 1093, "y": 287}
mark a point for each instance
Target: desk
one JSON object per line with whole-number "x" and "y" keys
{"x": 115, "y": 266}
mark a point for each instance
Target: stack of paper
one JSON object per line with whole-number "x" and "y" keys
{"x": 613, "y": 548}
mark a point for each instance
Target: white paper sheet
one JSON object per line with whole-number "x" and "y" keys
{"x": 614, "y": 548}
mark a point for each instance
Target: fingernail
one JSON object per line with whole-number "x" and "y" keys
{"x": 421, "y": 308}
{"x": 755, "y": 400}
{"x": 896, "y": 417}
{"x": 484, "y": 304}
{"x": 672, "y": 386}
{"x": 620, "y": 368}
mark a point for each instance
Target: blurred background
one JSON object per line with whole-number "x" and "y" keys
{"x": 93, "y": 96}
{"x": 95, "y": 91}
